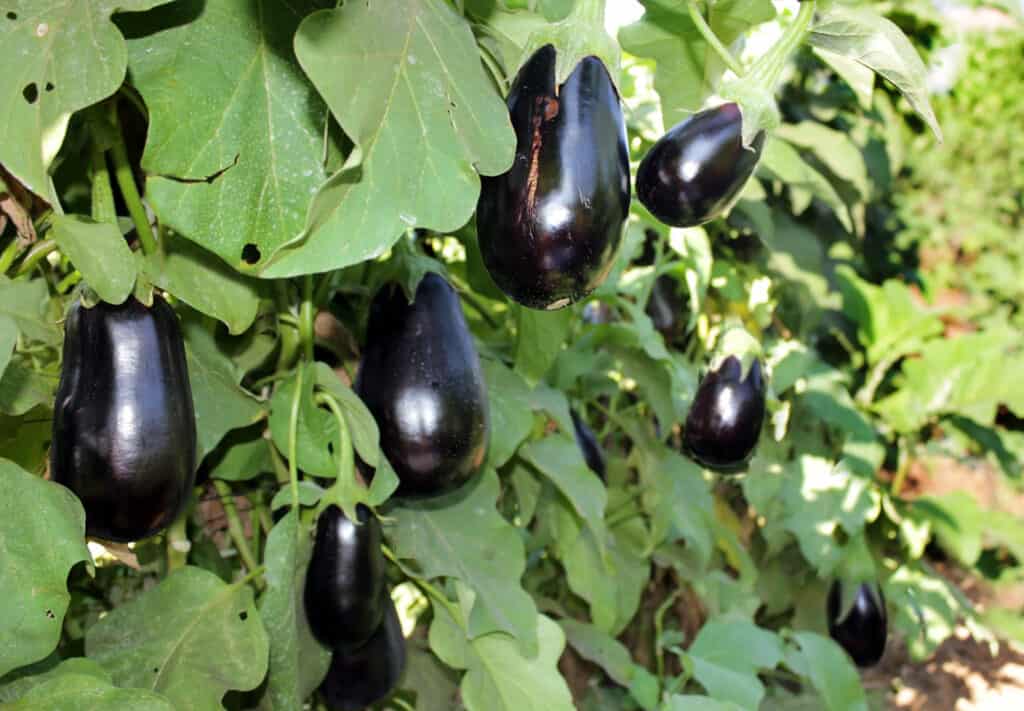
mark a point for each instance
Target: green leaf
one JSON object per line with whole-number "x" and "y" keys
{"x": 317, "y": 438}
{"x": 70, "y": 57}
{"x": 511, "y": 414}
{"x": 692, "y": 702}
{"x": 8, "y": 339}
{"x": 499, "y": 675}
{"x": 687, "y": 66}
{"x": 25, "y": 440}
{"x": 204, "y": 282}
{"x": 869, "y": 39}
{"x": 309, "y": 494}
{"x": 835, "y": 149}
{"x": 831, "y": 672}
{"x": 461, "y": 535}
{"x": 782, "y": 162}
{"x": 42, "y": 536}
{"x": 98, "y": 250}
{"x": 728, "y": 673}
{"x": 559, "y": 459}
{"x": 394, "y": 73}
{"x": 220, "y": 404}
{"x": 859, "y": 78}
{"x": 235, "y": 149}
{"x": 191, "y": 638}
{"x": 18, "y": 683}
{"x": 539, "y": 338}
{"x": 602, "y": 649}
{"x": 22, "y": 389}
{"x": 298, "y": 663}
{"x": 26, "y": 302}
{"x": 243, "y": 454}
{"x": 362, "y": 427}
{"x": 74, "y": 691}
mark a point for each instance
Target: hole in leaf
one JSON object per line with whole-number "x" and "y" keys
{"x": 243, "y": 615}
{"x": 31, "y": 93}
{"x": 250, "y": 254}
{"x": 12, "y": 16}
{"x": 156, "y": 670}
{"x": 330, "y": 447}
{"x": 50, "y": 86}
{"x": 49, "y": 613}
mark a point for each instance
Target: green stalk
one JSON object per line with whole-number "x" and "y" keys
{"x": 9, "y": 254}
{"x": 126, "y": 181}
{"x": 346, "y": 461}
{"x": 103, "y": 209}
{"x": 431, "y": 592}
{"x": 659, "y": 623}
{"x": 712, "y": 39}
{"x": 235, "y": 528}
{"x": 293, "y": 439}
{"x": 590, "y": 12}
{"x": 306, "y": 316}
{"x": 769, "y": 68}
{"x": 38, "y": 253}
{"x": 178, "y": 543}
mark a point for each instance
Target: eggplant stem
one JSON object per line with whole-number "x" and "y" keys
{"x": 712, "y": 39}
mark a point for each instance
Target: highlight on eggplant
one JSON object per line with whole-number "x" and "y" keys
{"x": 421, "y": 378}
{"x": 695, "y": 172}
{"x": 549, "y": 228}
{"x": 124, "y": 425}
{"x": 725, "y": 419}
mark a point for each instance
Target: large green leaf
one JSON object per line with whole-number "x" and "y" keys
{"x": 98, "y": 250}
{"x": 727, "y": 657}
{"x": 26, "y": 302}
{"x": 22, "y": 389}
{"x": 298, "y": 662}
{"x": 75, "y": 691}
{"x": 830, "y": 671}
{"x": 192, "y": 638}
{"x": 236, "y": 137}
{"x": 510, "y": 410}
{"x": 687, "y": 66}
{"x": 405, "y": 82}
{"x": 8, "y": 338}
{"x": 42, "y": 536}
{"x": 539, "y": 338}
{"x": 70, "y": 56}
{"x": 462, "y": 536}
{"x": 869, "y": 39}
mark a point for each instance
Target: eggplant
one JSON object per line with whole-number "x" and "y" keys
{"x": 345, "y": 591}
{"x": 587, "y": 442}
{"x": 664, "y": 305}
{"x": 697, "y": 169}
{"x": 124, "y": 426}
{"x": 361, "y": 677}
{"x": 421, "y": 378}
{"x": 725, "y": 418}
{"x": 550, "y": 226}
{"x": 862, "y": 629}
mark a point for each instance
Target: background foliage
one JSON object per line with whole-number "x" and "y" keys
{"x": 880, "y": 272}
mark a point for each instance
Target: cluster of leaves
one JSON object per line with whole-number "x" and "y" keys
{"x": 279, "y": 140}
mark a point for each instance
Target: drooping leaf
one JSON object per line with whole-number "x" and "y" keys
{"x": 317, "y": 438}
{"x": 98, "y": 250}
{"x": 42, "y": 536}
{"x": 461, "y": 535}
{"x": 71, "y": 56}
{"x": 540, "y": 335}
{"x": 235, "y": 149}
{"x": 298, "y": 662}
{"x": 163, "y": 639}
{"x": 831, "y": 672}
{"x": 395, "y": 73}
{"x": 723, "y": 671}
{"x": 510, "y": 411}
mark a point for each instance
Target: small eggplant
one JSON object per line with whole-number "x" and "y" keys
{"x": 364, "y": 676}
{"x": 345, "y": 589}
{"x": 124, "y": 427}
{"x": 696, "y": 170}
{"x": 664, "y": 305}
{"x": 724, "y": 422}
{"x": 587, "y": 442}
{"x": 549, "y": 227}
{"x": 862, "y": 629}
{"x": 421, "y": 378}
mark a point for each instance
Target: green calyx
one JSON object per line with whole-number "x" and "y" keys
{"x": 581, "y": 34}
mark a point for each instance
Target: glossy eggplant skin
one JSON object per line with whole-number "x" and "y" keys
{"x": 862, "y": 632}
{"x": 124, "y": 427}
{"x": 725, "y": 418}
{"x": 361, "y": 677}
{"x": 549, "y": 227}
{"x": 664, "y": 306}
{"x": 345, "y": 587}
{"x": 587, "y": 442}
{"x": 695, "y": 171}
{"x": 421, "y": 378}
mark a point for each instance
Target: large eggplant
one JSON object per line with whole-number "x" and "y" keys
{"x": 421, "y": 378}
{"x": 345, "y": 590}
{"x": 549, "y": 227}
{"x": 364, "y": 676}
{"x": 124, "y": 427}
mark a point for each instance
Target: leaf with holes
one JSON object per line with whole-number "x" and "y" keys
{"x": 405, "y": 82}
{"x": 70, "y": 56}
{"x": 162, "y": 640}
{"x": 235, "y": 149}
{"x": 42, "y": 536}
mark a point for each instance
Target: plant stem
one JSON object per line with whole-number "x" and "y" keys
{"x": 769, "y": 67}
{"x": 306, "y": 316}
{"x": 432, "y": 592}
{"x": 38, "y": 253}
{"x": 470, "y": 298}
{"x": 103, "y": 209}
{"x": 590, "y": 12}
{"x": 177, "y": 543}
{"x": 659, "y": 619}
{"x": 252, "y": 575}
{"x": 293, "y": 439}
{"x": 235, "y": 528}
{"x": 68, "y": 282}
{"x": 9, "y": 254}
{"x": 712, "y": 39}
{"x": 346, "y": 460}
{"x": 126, "y": 181}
